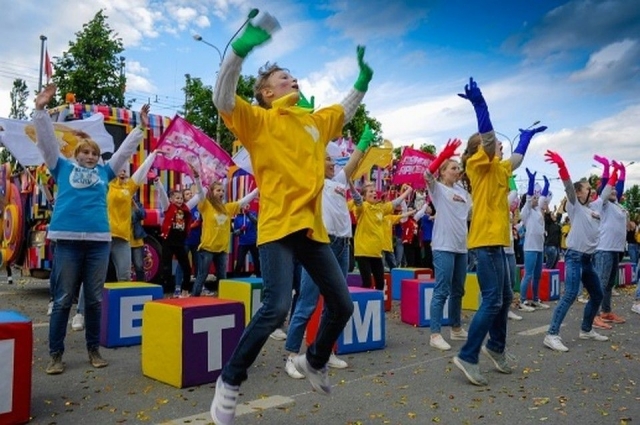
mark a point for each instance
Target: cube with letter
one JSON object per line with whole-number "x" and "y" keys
{"x": 122, "y": 304}
{"x": 247, "y": 290}
{"x": 549, "y": 286}
{"x": 187, "y": 341}
{"x": 16, "y": 355}
{"x": 415, "y": 304}
{"x": 400, "y": 273}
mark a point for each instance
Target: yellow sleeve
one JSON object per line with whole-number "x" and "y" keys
{"x": 246, "y": 121}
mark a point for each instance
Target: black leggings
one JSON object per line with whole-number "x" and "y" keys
{"x": 168, "y": 282}
{"x": 371, "y": 266}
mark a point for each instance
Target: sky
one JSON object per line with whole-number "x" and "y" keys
{"x": 572, "y": 65}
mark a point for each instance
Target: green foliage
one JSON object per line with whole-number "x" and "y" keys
{"x": 19, "y": 95}
{"x": 632, "y": 201}
{"x": 92, "y": 67}
{"x": 355, "y": 127}
{"x": 200, "y": 111}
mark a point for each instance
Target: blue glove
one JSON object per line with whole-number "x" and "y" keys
{"x": 525, "y": 139}
{"x": 545, "y": 189}
{"x": 473, "y": 94}
{"x": 532, "y": 182}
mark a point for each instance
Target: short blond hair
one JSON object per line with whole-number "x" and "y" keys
{"x": 86, "y": 143}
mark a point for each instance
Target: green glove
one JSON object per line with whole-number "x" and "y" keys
{"x": 255, "y": 35}
{"x": 366, "y": 139}
{"x": 366, "y": 73}
{"x": 512, "y": 183}
{"x": 306, "y": 104}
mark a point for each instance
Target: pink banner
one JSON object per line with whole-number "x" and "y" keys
{"x": 411, "y": 167}
{"x": 183, "y": 144}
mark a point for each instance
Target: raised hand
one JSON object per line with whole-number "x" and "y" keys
{"x": 144, "y": 115}
{"x": 366, "y": 138}
{"x": 256, "y": 33}
{"x": 305, "y": 103}
{"x": 448, "y": 151}
{"x": 602, "y": 160}
{"x": 45, "y": 96}
{"x": 472, "y": 93}
{"x": 545, "y": 189}
{"x": 525, "y": 138}
{"x": 554, "y": 158}
{"x": 366, "y": 73}
{"x": 532, "y": 182}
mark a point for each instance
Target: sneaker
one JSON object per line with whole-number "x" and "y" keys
{"x": 593, "y": 335}
{"x": 437, "y": 341}
{"x": 598, "y": 323}
{"x": 318, "y": 377}
{"x": 524, "y": 307}
{"x": 612, "y": 318}
{"x": 471, "y": 371}
{"x": 50, "y": 308}
{"x": 278, "y": 335}
{"x": 336, "y": 362}
{"x": 96, "y": 359}
{"x": 10, "y": 280}
{"x": 582, "y": 299}
{"x": 499, "y": 360}
{"x": 555, "y": 343}
{"x": 176, "y": 293}
{"x": 636, "y": 308}
{"x": 223, "y": 405}
{"x": 514, "y": 316}
{"x": 614, "y": 292}
{"x": 539, "y": 305}
{"x": 459, "y": 335}
{"x": 55, "y": 366}
{"x": 77, "y": 323}
{"x": 291, "y": 370}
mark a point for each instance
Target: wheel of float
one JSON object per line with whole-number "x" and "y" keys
{"x": 151, "y": 259}
{"x": 11, "y": 232}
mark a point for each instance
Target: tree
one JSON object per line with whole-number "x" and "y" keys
{"x": 19, "y": 95}
{"x": 92, "y": 68}
{"x": 200, "y": 111}
{"x": 355, "y": 127}
{"x": 632, "y": 201}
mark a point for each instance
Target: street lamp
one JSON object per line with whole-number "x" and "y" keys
{"x": 252, "y": 14}
{"x": 514, "y": 138}
{"x": 43, "y": 38}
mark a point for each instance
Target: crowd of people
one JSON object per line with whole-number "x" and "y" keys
{"x": 467, "y": 217}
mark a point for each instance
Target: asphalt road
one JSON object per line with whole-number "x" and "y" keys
{"x": 408, "y": 382}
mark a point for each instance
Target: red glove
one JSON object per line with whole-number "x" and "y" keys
{"x": 152, "y": 175}
{"x": 448, "y": 151}
{"x": 554, "y": 158}
{"x": 614, "y": 178}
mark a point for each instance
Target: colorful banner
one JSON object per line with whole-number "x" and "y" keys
{"x": 411, "y": 168}
{"x": 380, "y": 156}
{"x": 20, "y": 136}
{"x": 182, "y": 144}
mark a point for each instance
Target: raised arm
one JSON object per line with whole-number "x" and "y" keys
{"x": 448, "y": 151}
{"x": 142, "y": 171}
{"x": 255, "y": 34}
{"x": 609, "y": 186}
{"x": 362, "y": 146}
{"x": 130, "y": 145}
{"x": 622, "y": 175}
{"x": 404, "y": 195}
{"x": 355, "y": 195}
{"x": 246, "y": 200}
{"x": 523, "y": 144}
{"x": 47, "y": 143}
{"x": 352, "y": 100}
{"x": 554, "y": 158}
{"x": 161, "y": 193}
{"x": 473, "y": 94}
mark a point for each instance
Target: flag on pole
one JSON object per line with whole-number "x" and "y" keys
{"x": 48, "y": 68}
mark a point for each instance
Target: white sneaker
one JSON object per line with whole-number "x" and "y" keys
{"x": 291, "y": 370}
{"x": 319, "y": 378}
{"x": 540, "y": 305}
{"x": 525, "y": 308}
{"x": 514, "y": 316}
{"x": 593, "y": 335}
{"x": 77, "y": 324}
{"x": 278, "y": 335}
{"x": 437, "y": 341}
{"x": 636, "y": 308}
{"x": 336, "y": 362}
{"x": 582, "y": 299}
{"x": 615, "y": 293}
{"x": 223, "y": 405}
{"x": 50, "y": 308}
{"x": 555, "y": 343}
{"x": 460, "y": 335}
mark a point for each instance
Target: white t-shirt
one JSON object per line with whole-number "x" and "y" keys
{"x": 452, "y": 212}
{"x": 613, "y": 227}
{"x": 533, "y": 221}
{"x": 585, "y": 226}
{"x": 335, "y": 212}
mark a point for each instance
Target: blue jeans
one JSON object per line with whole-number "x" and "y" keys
{"x": 398, "y": 250}
{"x": 309, "y": 294}
{"x": 137, "y": 259}
{"x": 532, "y": 273}
{"x": 451, "y": 273}
{"x": 606, "y": 264}
{"x": 511, "y": 269}
{"x": 578, "y": 267}
{"x": 491, "y": 317}
{"x": 277, "y": 261}
{"x": 390, "y": 259}
{"x": 633, "y": 257}
{"x": 551, "y": 253}
{"x": 205, "y": 258}
{"x": 121, "y": 258}
{"x": 77, "y": 262}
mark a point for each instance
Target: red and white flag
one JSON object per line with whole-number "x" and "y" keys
{"x": 48, "y": 68}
